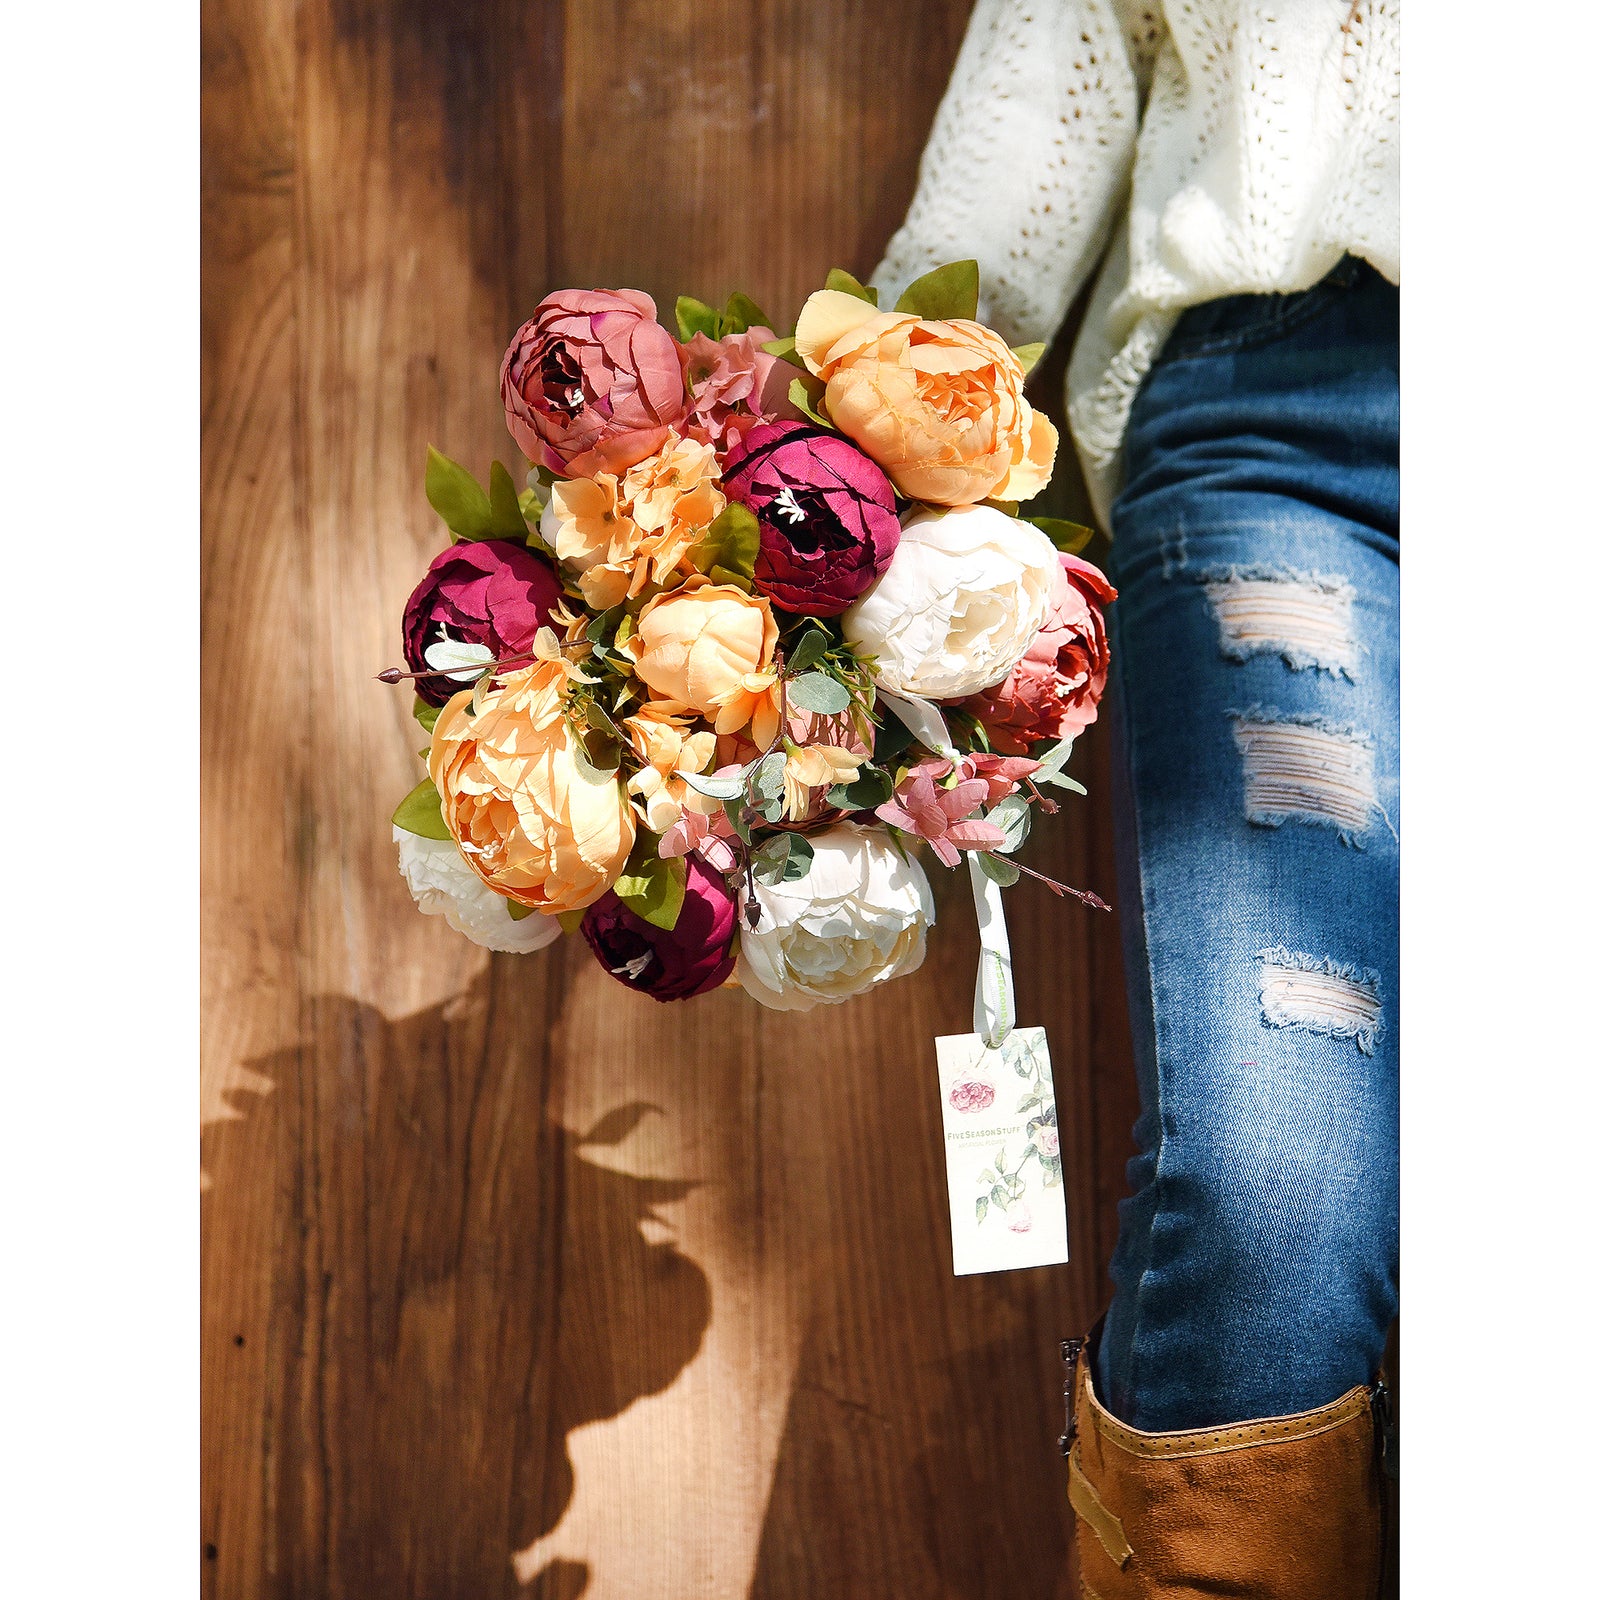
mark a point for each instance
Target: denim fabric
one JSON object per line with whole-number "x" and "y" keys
{"x": 1256, "y": 642}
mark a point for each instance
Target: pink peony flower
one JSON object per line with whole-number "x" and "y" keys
{"x": 591, "y": 382}
{"x": 1054, "y": 691}
{"x": 734, "y": 386}
{"x": 1019, "y": 1219}
{"x": 1047, "y": 1140}
{"x": 971, "y": 1094}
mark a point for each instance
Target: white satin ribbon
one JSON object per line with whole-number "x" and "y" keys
{"x": 994, "y": 999}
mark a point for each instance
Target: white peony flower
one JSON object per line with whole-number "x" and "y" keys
{"x": 961, "y": 601}
{"x": 443, "y": 885}
{"x": 859, "y": 917}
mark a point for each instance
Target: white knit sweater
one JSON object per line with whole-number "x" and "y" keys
{"x": 1268, "y": 146}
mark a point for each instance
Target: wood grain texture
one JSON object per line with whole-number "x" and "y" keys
{"x": 514, "y": 1282}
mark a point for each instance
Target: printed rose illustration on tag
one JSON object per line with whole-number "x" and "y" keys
{"x": 1003, "y": 1186}
{"x": 972, "y": 1094}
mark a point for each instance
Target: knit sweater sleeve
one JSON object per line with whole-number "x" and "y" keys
{"x": 1029, "y": 156}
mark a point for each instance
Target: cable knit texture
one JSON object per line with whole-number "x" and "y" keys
{"x": 1216, "y": 146}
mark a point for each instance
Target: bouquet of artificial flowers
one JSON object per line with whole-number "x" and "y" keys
{"x": 763, "y": 622}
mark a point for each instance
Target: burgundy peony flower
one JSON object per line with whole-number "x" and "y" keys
{"x": 591, "y": 382}
{"x": 696, "y": 956}
{"x": 828, "y": 523}
{"x": 495, "y": 593}
{"x": 1054, "y": 691}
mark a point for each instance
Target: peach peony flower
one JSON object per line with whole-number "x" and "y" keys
{"x": 619, "y": 534}
{"x": 709, "y": 647}
{"x": 938, "y": 405}
{"x": 528, "y": 819}
{"x": 660, "y": 736}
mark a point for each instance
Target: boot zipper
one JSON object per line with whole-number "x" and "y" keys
{"x": 1071, "y": 1354}
{"x": 1384, "y": 1426}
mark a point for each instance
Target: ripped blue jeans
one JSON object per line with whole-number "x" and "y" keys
{"x": 1256, "y": 703}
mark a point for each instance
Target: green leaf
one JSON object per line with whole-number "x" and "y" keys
{"x": 517, "y": 910}
{"x": 1028, "y": 355}
{"x": 800, "y": 857}
{"x": 811, "y": 648}
{"x": 653, "y": 889}
{"x": 1061, "y": 781}
{"x": 695, "y": 316}
{"x": 424, "y": 713}
{"x": 421, "y": 813}
{"x": 783, "y": 349}
{"x": 1054, "y": 759}
{"x": 730, "y": 787}
{"x": 595, "y": 758}
{"x": 816, "y": 691}
{"x": 570, "y": 921}
{"x": 983, "y": 1206}
{"x": 986, "y": 1176}
{"x": 1070, "y": 537}
{"x": 998, "y": 868}
{"x": 768, "y": 776}
{"x": 727, "y": 551}
{"x": 506, "y": 520}
{"x": 841, "y": 280}
{"x": 1013, "y": 816}
{"x": 458, "y": 497}
{"x": 742, "y": 314}
{"x": 945, "y": 293}
{"x": 868, "y": 790}
{"x": 806, "y": 394}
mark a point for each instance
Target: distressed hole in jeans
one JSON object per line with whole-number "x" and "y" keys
{"x": 1321, "y": 996}
{"x": 1305, "y": 769}
{"x": 1303, "y": 617}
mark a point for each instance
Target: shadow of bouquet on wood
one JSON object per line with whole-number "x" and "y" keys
{"x": 460, "y": 1282}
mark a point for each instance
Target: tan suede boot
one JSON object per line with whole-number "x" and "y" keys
{"x": 1285, "y": 1508}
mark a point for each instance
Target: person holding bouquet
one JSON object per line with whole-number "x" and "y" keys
{"x": 1234, "y": 399}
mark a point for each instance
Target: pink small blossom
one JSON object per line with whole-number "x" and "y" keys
{"x": 972, "y": 1094}
{"x": 947, "y": 817}
{"x": 734, "y": 386}
{"x": 944, "y": 817}
{"x": 1019, "y": 1219}
{"x": 1048, "y": 1141}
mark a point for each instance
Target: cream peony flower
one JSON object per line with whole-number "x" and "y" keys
{"x": 859, "y": 917}
{"x": 444, "y": 885}
{"x": 960, "y": 604}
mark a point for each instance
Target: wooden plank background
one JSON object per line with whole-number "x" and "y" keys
{"x": 515, "y": 1283}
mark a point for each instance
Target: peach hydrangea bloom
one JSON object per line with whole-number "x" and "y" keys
{"x": 619, "y": 534}
{"x": 938, "y": 405}
{"x": 709, "y": 647}
{"x": 660, "y": 736}
{"x": 529, "y": 820}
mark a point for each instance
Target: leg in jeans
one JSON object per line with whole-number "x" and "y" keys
{"x": 1256, "y": 697}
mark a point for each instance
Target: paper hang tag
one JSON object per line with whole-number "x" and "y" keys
{"x": 1002, "y": 1151}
